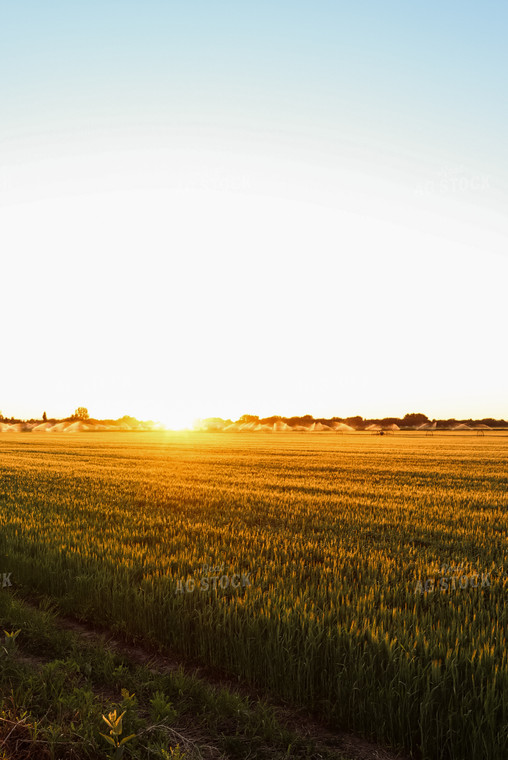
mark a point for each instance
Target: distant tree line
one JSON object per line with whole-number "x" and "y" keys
{"x": 412, "y": 419}
{"x": 80, "y": 415}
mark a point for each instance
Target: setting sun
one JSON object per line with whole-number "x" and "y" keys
{"x": 175, "y": 420}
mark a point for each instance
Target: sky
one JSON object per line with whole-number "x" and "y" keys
{"x": 217, "y": 208}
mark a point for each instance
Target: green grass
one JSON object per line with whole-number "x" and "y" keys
{"x": 55, "y": 688}
{"x": 335, "y": 532}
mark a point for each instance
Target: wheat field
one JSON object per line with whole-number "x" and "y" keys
{"x": 362, "y": 577}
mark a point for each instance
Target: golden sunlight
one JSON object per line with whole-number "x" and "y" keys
{"x": 178, "y": 420}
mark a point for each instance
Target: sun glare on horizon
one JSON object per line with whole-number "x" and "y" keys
{"x": 177, "y": 421}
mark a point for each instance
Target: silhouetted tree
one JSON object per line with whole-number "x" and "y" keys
{"x": 415, "y": 419}
{"x": 354, "y": 421}
{"x": 249, "y": 418}
{"x": 81, "y": 413}
{"x": 271, "y": 420}
{"x": 44, "y": 417}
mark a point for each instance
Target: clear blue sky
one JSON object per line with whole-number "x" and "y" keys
{"x": 432, "y": 74}
{"x": 235, "y": 186}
